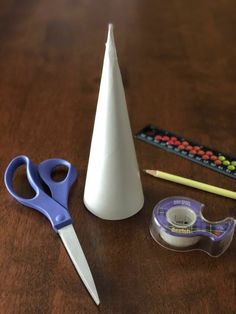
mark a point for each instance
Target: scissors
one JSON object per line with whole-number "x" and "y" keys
{"x": 54, "y": 207}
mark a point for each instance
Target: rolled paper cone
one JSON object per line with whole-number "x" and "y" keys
{"x": 113, "y": 187}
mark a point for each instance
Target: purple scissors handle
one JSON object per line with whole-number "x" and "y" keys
{"x": 55, "y": 207}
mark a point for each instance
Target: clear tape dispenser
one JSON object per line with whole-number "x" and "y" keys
{"x": 178, "y": 224}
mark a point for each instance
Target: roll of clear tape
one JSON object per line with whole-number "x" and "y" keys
{"x": 177, "y": 224}
{"x": 178, "y": 242}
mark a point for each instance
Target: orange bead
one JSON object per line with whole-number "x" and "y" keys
{"x": 189, "y": 147}
{"x": 213, "y": 157}
{"x": 200, "y": 152}
{"x": 181, "y": 147}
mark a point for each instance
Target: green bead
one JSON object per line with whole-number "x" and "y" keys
{"x": 231, "y": 167}
{"x": 233, "y": 163}
{"x": 221, "y": 158}
{"x": 226, "y": 163}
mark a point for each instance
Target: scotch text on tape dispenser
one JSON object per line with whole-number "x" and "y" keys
{"x": 177, "y": 224}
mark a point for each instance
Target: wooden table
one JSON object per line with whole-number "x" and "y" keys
{"x": 178, "y": 61}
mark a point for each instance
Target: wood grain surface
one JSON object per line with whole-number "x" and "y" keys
{"x": 178, "y": 63}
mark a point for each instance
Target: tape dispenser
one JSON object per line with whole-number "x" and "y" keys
{"x": 178, "y": 224}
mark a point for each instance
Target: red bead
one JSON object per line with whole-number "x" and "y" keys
{"x": 217, "y": 162}
{"x": 209, "y": 153}
{"x": 170, "y": 142}
{"x": 193, "y": 152}
{"x": 185, "y": 143}
{"x": 205, "y": 157}
{"x": 181, "y": 147}
{"x": 197, "y": 148}
{"x": 158, "y": 137}
{"x": 200, "y": 152}
{"x": 213, "y": 157}
{"x": 173, "y": 138}
{"x": 165, "y": 138}
{"x": 177, "y": 143}
{"x": 189, "y": 147}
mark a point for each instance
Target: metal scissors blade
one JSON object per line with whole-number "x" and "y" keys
{"x": 54, "y": 208}
{"x": 73, "y": 247}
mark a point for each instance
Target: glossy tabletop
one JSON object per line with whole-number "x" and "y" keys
{"x": 178, "y": 61}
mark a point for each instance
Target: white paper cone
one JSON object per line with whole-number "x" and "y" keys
{"x": 113, "y": 187}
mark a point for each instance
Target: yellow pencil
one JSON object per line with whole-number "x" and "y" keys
{"x": 192, "y": 183}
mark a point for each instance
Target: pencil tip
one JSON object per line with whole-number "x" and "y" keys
{"x": 151, "y": 172}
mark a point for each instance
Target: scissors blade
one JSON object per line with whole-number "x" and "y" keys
{"x": 73, "y": 247}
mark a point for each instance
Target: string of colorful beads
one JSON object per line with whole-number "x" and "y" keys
{"x": 196, "y": 151}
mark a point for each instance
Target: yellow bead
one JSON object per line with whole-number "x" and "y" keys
{"x": 221, "y": 158}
